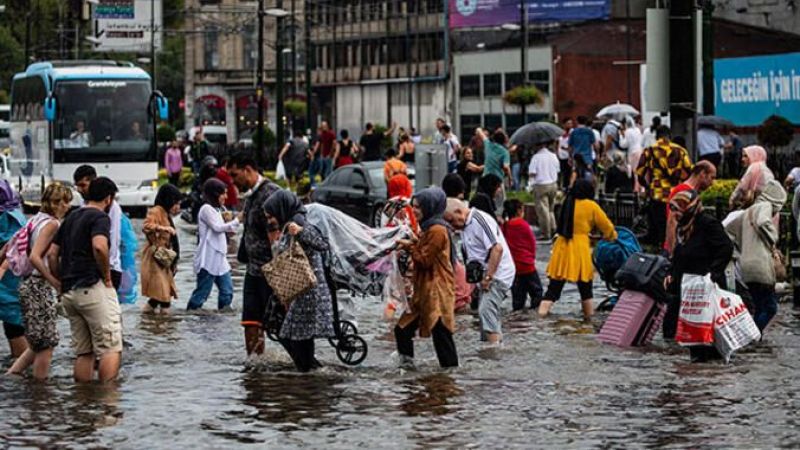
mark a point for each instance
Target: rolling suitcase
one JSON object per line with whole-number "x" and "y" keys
{"x": 634, "y": 320}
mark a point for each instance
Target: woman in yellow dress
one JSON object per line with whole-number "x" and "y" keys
{"x": 572, "y": 259}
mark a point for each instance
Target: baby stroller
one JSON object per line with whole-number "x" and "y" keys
{"x": 351, "y": 349}
{"x": 608, "y": 257}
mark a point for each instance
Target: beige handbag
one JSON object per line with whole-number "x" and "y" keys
{"x": 290, "y": 274}
{"x": 164, "y": 257}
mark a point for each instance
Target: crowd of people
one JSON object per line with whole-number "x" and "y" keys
{"x": 464, "y": 248}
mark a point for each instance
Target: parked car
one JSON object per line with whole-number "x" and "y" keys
{"x": 357, "y": 190}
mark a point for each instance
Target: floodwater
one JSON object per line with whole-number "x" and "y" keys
{"x": 187, "y": 384}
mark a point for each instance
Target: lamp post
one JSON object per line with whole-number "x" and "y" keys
{"x": 278, "y": 13}
{"x": 309, "y": 53}
{"x": 153, "y": 44}
{"x": 280, "y": 133}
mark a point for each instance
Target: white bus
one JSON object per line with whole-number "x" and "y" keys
{"x": 69, "y": 113}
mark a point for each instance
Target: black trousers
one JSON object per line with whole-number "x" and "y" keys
{"x": 442, "y": 342}
{"x": 526, "y": 285}
{"x": 657, "y": 223}
{"x": 302, "y": 354}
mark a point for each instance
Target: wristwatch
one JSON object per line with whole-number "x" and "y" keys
{"x": 487, "y": 278}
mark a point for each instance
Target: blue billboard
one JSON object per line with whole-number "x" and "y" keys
{"x": 748, "y": 90}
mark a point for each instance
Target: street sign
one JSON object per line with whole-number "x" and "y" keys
{"x": 125, "y": 25}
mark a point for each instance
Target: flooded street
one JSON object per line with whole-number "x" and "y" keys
{"x": 185, "y": 384}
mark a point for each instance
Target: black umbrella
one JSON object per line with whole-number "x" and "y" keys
{"x": 714, "y": 121}
{"x": 536, "y": 133}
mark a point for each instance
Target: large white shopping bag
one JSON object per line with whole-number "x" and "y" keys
{"x": 734, "y": 327}
{"x": 696, "y": 316}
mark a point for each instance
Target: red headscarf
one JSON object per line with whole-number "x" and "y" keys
{"x": 400, "y": 186}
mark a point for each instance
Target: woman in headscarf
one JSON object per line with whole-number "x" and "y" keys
{"x": 572, "y": 254}
{"x": 701, "y": 247}
{"x": 11, "y": 220}
{"x": 431, "y": 309}
{"x": 488, "y": 187}
{"x": 618, "y": 176}
{"x": 755, "y": 235}
{"x": 210, "y": 262}
{"x": 310, "y": 315}
{"x": 755, "y": 177}
{"x": 158, "y": 275}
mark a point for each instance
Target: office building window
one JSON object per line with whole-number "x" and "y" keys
{"x": 249, "y": 47}
{"x": 513, "y": 122}
{"x": 492, "y": 121}
{"x": 492, "y": 85}
{"x": 469, "y": 85}
{"x": 512, "y": 80}
{"x": 468, "y": 124}
{"x": 540, "y": 79}
{"x": 211, "y": 48}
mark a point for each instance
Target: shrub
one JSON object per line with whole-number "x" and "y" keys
{"x": 721, "y": 189}
{"x": 523, "y": 96}
{"x": 165, "y": 133}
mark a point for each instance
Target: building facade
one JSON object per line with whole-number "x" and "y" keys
{"x": 381, "y": 62}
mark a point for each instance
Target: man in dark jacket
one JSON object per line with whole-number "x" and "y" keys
{"x": 254, "y": 249}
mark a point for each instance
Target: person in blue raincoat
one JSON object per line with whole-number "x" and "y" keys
{"x": 11, "y": 220}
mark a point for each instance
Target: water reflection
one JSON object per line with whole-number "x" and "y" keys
{"x": 431, "y": 395}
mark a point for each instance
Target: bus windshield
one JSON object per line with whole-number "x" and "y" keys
{"x": 103, "y": 121}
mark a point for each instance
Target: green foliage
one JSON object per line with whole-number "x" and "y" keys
{"x": 775, "y": 132}
{"x": 269, "y": 137}
{"x": 11, "y": 59}
{"x": 295, "y": 108}
{"x": 721, "y": 189}
{"x": 165, "y": 133}
{"x": 522, "y": 195}
{"x": 185, "y": 181}
{"x": 170, "y": 75}
{"x": 386, "y": 142}
{"x": 5, "y": 98}
{"x": 523, "y": 96}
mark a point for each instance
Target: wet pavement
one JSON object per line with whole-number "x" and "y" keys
{"x": 186, "y": 383}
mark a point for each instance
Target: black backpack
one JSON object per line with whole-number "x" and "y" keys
{"x": 645, "y": 273}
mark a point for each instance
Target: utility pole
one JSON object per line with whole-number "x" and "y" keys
{"x": 682, "y": 73}
{"x": 524, "y": 57}
{"x": 27, "y": 36}
{"x": 408, "y": 69}
{"x": 153, "y": 83}
{"x": 279, "y": 76}
{"x": 260, "y": 131}
{"x": 294, "y": 50}
{"x": 309, "y": 59}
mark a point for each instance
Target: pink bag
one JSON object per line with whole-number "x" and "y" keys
{"x": 634, "y": 320}
{"x": 463, "y": 289}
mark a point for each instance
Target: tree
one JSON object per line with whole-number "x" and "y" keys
{"x": 775, "y": 132}
{"x": 12, "y": 58}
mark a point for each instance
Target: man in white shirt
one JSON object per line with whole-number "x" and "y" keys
{"x": 483, "y": 241}
{"x": 82, "y": 177}
{"x": 543, "y": 175}
{"x": 453, "y": 148}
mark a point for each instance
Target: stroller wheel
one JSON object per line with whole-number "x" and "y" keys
{"x": 351, "y": 349}
{"x": 345, "y": 328}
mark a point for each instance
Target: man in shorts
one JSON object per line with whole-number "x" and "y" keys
{"x": 483, "y": 241}
{"x": 254, "y": 249}
{"x": 79, "y": 253}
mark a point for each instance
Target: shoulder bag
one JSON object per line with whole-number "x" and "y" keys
{"x": 290, "y": 274}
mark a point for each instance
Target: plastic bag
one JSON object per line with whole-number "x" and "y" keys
{"x": 463, "y": 289}
{"x": 696, "y": 316}
{"x": 734, "y": 327}
{"x": 396, "y": 292}
{"x": 357, "y": 252}
{"x": 280, "y": 171}
{"x": 127, "y": 292}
